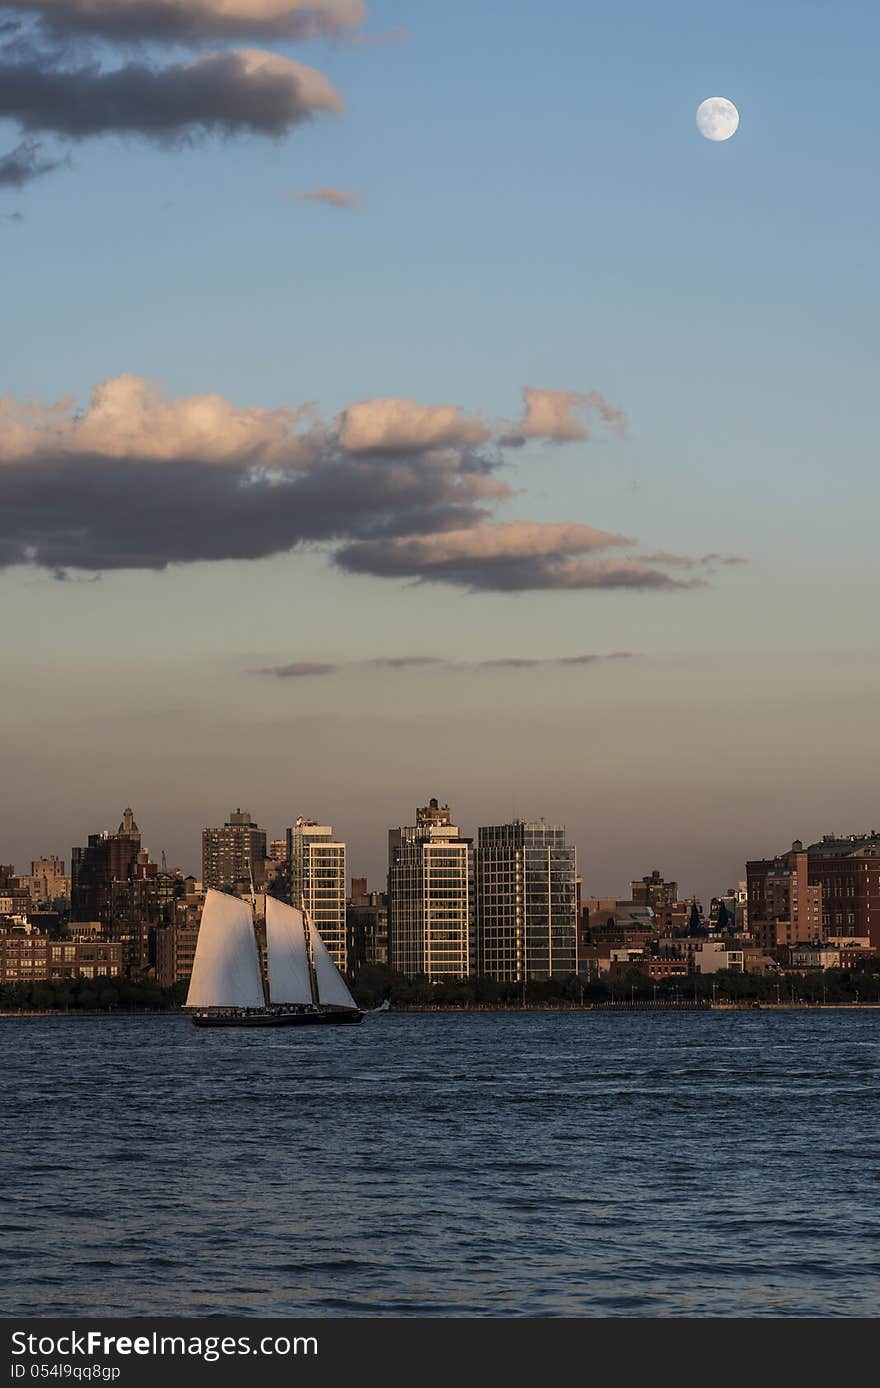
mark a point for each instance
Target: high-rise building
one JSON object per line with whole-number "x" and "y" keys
{"x": 114, "y": 882}
{"x": 278, "y": 851}
{"x": 106, "y": 858}
{"x": 317, "y": 878}
{"x": 429, "y": 896}
{"x": 234, "y": 855}
{"x": 526, "y": 901}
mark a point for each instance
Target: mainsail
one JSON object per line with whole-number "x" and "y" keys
{"x": 331, "y": 985}
{"x": 226, "y": 969}
{"x": 288, "y": 961}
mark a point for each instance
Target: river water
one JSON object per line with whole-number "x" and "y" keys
{"x": 483, "y": 1164}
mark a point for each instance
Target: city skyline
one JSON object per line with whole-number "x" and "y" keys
{"x": 354, "y": 871}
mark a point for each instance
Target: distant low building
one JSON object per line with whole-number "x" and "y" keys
{"x": 366, "y": 918}
{"x": 785, "y": 906}
{"x": 35, "y": 958}
{"x": 847, "y": 868}
{"x": 176, "y": 942}
{"x": 47, "y": 882}
{"x": 656, "y": 892}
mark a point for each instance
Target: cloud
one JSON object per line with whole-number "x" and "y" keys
{"x": 685, "y": 561}
{"x": 137, "y": 481}
{"x": 723, "y": 559}
{"x": 225, "y": 92}
{"x": 332, "y": 197}
{"x": 25, "y": 163}
{"x": 391, "y": 488}
{"x": 128, "y": 417}
{"x": 299, "y": 669}
{"x": 551, "y": 415}
{"x": 178, "y": 21}
{"x": 420, "y": 662}
{"x": 405, "y": 662}
{"x": 513, "y": 556}
{"x": 398, "y": 426}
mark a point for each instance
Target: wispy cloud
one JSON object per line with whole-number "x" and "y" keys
{"x": 299, "y": 669}
{"x": 331, "y": 197}
{"x": 684, "y": 561}
{"x": 25, "y": 163}
{"x": 296, "y": 669}
{"x": 405, "y": 662}
{"x": 514, "y": 556}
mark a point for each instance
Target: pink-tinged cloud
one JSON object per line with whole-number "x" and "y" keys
{"x": 331, "y": 197}
{"x": 175, "y": 21}
{"x": 129, "y": 417}
{"x": 515, "y": 556}
{"x": 560, "y": 416}
{"x": 505, "y": 541}
{"x": 141, "y": 481}
{"x": 399, "y": 426}
{"x": 393, "y": 489}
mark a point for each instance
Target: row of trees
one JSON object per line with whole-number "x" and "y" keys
{"x": 375, "y": 983}
{"x": 90, "y": 995}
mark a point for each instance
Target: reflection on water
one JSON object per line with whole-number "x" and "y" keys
{"x": 488, "y": 1164}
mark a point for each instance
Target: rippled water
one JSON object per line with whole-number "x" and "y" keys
{"x": 486, "y": 1164}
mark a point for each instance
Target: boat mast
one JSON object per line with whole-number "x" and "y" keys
{"x": 307, "y": 930}
{"x": 264, "y": 972}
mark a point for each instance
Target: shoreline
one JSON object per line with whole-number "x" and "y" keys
{"x": 426, "y": 1009}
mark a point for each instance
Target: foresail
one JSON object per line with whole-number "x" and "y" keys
{"x": 332, "y": 987}
{"x": 288, "y": 961}
{"x": 226, "y": 969}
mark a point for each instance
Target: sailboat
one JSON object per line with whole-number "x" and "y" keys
{"x": 228, "y": 988}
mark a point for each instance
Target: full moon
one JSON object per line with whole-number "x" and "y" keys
{"x": 717, "y": 118}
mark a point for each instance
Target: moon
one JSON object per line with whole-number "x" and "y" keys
{"x": 717, "y": 118}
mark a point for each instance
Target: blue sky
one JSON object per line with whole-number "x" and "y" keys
{"x": 537, "y": 208}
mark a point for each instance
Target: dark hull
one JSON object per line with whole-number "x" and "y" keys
{"x": 331, "y": 1017}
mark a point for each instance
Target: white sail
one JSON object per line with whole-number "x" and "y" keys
{"x": 226, "y": 969}
{"x": 332, "y": 987}
{"x": 288, "y": 962}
